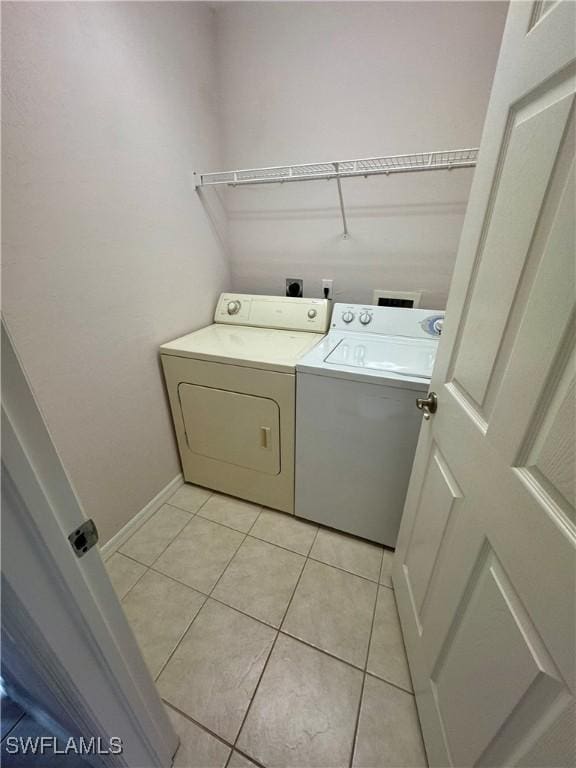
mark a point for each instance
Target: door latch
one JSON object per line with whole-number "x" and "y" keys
{"x": 427, "y": 404}
{"x": 83, "y": 538}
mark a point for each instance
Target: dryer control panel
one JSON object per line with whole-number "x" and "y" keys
{"x": 281, "y": 312}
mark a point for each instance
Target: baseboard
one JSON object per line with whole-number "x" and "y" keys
{"x": 140, "y": 518}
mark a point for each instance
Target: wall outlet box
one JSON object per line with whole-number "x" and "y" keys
{"x": 327, "y": 284}
{"x": 406, "y": 299}
{"x": 294, "y": 287}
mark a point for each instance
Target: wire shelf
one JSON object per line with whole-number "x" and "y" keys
{"x": 372, "y": 166}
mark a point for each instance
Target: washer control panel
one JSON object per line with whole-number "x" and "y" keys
{"x": 389, "y": 321}
{"x": 281, "y": 312}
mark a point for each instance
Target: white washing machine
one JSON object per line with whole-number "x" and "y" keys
{"x": 231, "y": 387}
{"x": 356, "y": 419}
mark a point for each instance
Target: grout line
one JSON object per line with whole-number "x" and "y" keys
{"x": 389, "y": 682}
{"x": 357, "y": 724}
{"x": 121, "y": 599}
{"x": 381, "y": 566}
{"x": 182, "y": 509}
{"x": 298, "y": 583}
{"x": 163, "y": 667}
{"x": 280, "y": 546}
{"x": 217, "y": 600}
{"x": 178, "y": 581}
{"x": 339, "y": 568}
{"x": 178, "y": 509}
{"x": 228, "y": 564}
{"x": 172, "y": 540}
{"x": 246, "y": 755}
{"x": 215, "y": 735}
{"x": 255, "y": 521}
{"x": 309, "y": 556}
{"x": 186, "y": 524}
{"x": 151, "y": 568}
{"x": 265, "y": 666}
{"x": 308, "y": 644}
{"x": 197, "y": 723}
{"x": 225, "y": 525}
{"x": 138, "y": 562}
{"x": 207, "y": 597}
{"x": 270, "y": 654}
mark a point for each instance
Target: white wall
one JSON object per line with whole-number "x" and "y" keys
{"x": 303, "y": 82}
{"x": 107, "y": 109}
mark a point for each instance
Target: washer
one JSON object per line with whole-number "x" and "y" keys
{"x": 231, "y": 388}
{"x": 356, "y": 419}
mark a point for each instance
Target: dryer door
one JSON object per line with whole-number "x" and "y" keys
{"x": 232, "y": 427}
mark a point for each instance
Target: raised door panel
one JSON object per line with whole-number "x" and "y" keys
{"x": 491, "y": 633}
{"x": 554, "y": 456}
{"x": 233, "y": 428}
{"x": 436, "y": 505}
{"x": 536, "y": 130}
{"x": 538, "y": 347}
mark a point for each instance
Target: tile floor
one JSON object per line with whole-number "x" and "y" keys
{"x": 273, "y": 642}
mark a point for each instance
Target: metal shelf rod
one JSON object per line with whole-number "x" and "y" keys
{"x": 374, "y": 166}
{"x": 334, "y": 175}
{"x": 342, "y": 211}
{"x": 438, "y": 160}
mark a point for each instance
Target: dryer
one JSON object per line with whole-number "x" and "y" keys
{"x": 356, "y": 419}
{"x": 231, "y": 388}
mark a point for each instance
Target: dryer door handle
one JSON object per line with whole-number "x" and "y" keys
{"x": 265, "y": 437}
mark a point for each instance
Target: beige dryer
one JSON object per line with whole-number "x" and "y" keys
{"x": 232, "y": 394}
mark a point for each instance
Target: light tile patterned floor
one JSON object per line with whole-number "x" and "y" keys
{"x": 271, "y": 640}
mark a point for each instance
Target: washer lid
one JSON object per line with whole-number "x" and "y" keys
{"x": 395, "y": 361}
{"x": 239, "y": 345}
{"x": 403, "y": 356}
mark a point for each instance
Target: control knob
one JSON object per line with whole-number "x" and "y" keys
{"x": 233, "y": 307}
{"x": 312, "y": 314}
{"x": 438, "y": 325}
{"x": 365, "y": 318}
{"x": 348, "y": 316}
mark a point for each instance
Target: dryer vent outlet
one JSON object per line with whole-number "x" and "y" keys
{"x": 294, "y": 287}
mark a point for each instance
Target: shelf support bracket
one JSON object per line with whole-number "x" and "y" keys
{"x": 340, "y": 197}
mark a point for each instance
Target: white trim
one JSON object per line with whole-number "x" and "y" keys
{"x": 108, "y": 549}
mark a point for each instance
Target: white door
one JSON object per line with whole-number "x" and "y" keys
{"x": 485, "y": 566}
{"x": 65, "y": 637}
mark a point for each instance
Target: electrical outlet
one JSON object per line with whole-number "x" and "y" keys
{"x": 327, "y": 284}
{"x": 294, "y": 287}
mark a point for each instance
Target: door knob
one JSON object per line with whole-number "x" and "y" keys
{"x": 427, "y": 404}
